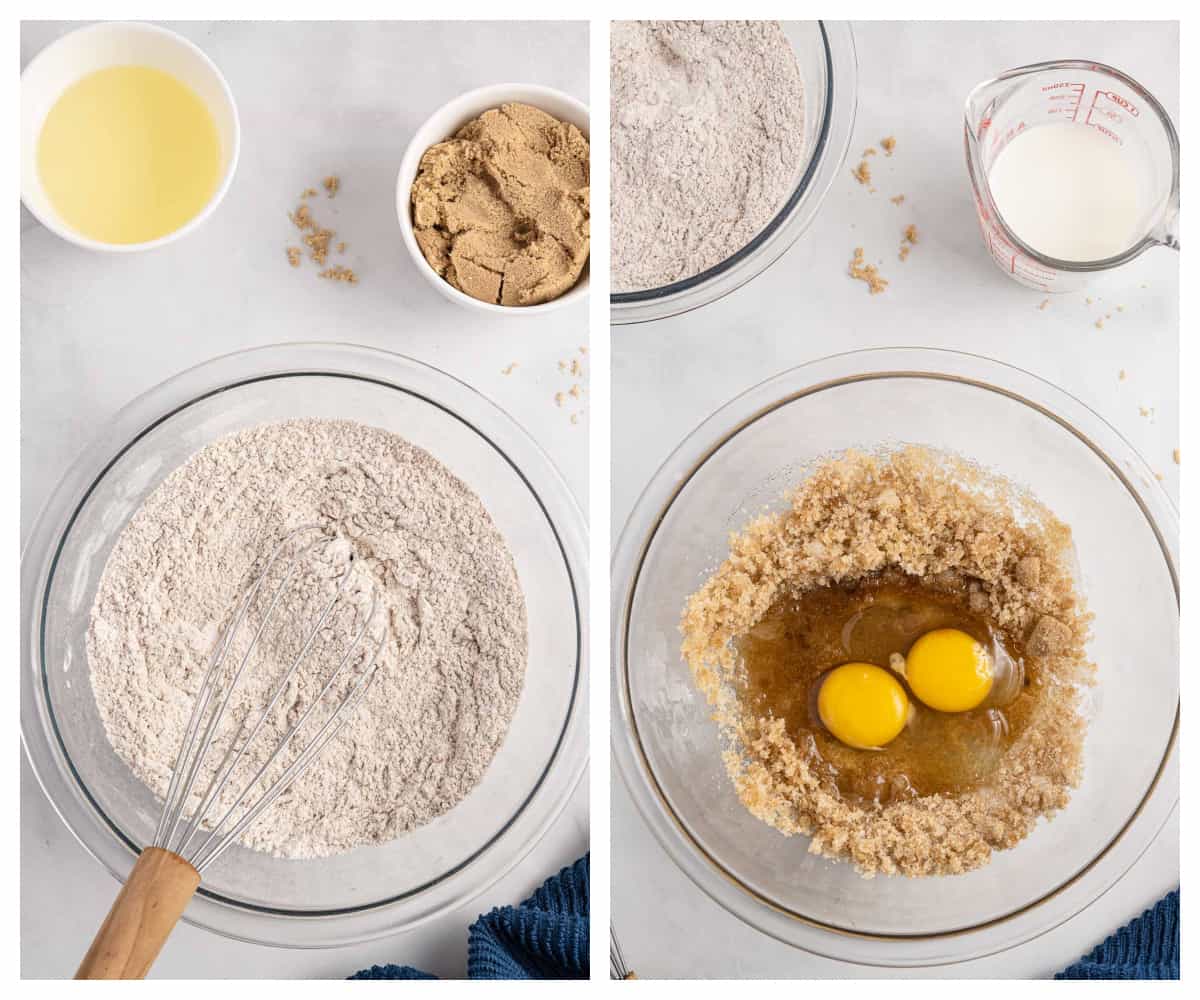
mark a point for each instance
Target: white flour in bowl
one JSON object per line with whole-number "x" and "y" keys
{"x": 707, "y": 131}
{"x": 451, "y": 610}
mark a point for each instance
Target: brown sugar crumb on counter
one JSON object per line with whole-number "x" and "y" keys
{"x": 509, "y": 369}
{"x": 1121, "y": 375}
{"x": 908, "y": 241}
{"x": 862, "y": 173}
{"x": 301, "y": 218}
{"x": 888, "y": 144}
{"x": 1044, "y": 303}
{"x": 317, "y": 242}
{"x": 573, "y": 368}
{"x": 869, "y": 151}
{"x": 1175, "y": 456}
{"x": 1099, "y": 324}
{"x": 862, "y": 271}
{"x": 897, "y": 200}
{"x": 339, "y": 273}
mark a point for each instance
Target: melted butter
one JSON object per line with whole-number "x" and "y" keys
{"x": 800, "y": 639}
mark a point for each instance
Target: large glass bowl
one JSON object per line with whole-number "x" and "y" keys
{"x": 741, "y": 460}
{"x": 829, "y": 69}
{"x": 374, "y": 890}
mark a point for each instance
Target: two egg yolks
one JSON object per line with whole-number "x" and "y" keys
{"x": 865, "y": 706}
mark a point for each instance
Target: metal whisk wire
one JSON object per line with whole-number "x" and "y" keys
{"x": 202, "y": 727}
{"x": 167, "y": 872}
{"x": 617, "y": 968}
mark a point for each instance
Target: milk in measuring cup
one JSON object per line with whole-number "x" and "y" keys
{"x": 1068, "y": 191}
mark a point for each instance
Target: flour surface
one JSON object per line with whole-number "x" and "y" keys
{"x": 451, "y": 615}
{"x": 707, "y": 135}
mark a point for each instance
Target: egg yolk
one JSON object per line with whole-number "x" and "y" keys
{"x": 949, "y": 671}
{"x": 863, "y": 705}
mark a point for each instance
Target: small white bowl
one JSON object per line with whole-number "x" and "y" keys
{"x": 119, "y": 43}
{"x": 442, "y": 124}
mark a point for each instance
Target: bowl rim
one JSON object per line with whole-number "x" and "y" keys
{"x": 789, "y": 223}
{"x": 545, "y": 800}
{"x": 473, "y": 103}
{"x": 60, "y": 229}
{"x": 883, "y": 950}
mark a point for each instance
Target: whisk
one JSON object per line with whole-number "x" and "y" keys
{"x": 168, "y": 873}
{"x": 617, "y": 969}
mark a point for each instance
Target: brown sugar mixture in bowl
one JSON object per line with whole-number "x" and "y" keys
{"x": 874, "y": 552}
{"x": 502, "y": 209}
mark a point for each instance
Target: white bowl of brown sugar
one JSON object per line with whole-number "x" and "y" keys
{"x": 493, "y": 199}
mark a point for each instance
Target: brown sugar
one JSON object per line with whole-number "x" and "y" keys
{"x": 888, "y": 144}
{"x": 502, "y": 209}
{"x": 339, "y": 273}
{"x": 869, "y": 273}
{"x": 302, "y": 217}
{"x": 317, "y": 239}
{"x": 317, "y": 242}
{"x": 862, "y": 173}
{"x": 939, "y": 521}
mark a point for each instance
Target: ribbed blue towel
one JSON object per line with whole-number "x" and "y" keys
{"x": 1145, "y": 948}
{"x": 546, "y": 937}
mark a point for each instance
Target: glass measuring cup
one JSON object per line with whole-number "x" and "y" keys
{"x": 1091, "y": 94}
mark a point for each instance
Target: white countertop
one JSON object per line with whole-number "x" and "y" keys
{"x": 97, "y": 330}
{"x": 668, "y": 376}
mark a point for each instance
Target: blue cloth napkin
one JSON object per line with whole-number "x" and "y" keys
{"x": 1145, "y": 948}
{"x": 546, "y": 937}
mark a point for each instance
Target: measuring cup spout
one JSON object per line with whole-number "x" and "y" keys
{"x": 1167, "y": 234}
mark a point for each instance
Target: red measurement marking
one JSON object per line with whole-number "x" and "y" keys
{"x": 1118, "y": 100}
{"x": 1065, "y": 100}
{"x": 1096, "y": 112}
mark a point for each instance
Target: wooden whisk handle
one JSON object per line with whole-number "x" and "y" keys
{"x": 142, "y": 918}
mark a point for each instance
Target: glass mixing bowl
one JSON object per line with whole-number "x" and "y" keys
{"x": 829, "y": 69}
{"x": 370, "y": 891}
{"x": 741, "y": 460}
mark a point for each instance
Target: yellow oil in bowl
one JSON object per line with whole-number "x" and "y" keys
{"x": 128, "y": 154}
